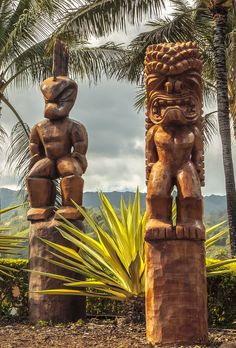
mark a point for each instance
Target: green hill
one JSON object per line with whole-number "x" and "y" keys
{"x": 214, "y": 204}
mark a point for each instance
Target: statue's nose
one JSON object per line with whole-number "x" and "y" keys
{"x": 169, "y": 87}
{"x": 173, "y": 86}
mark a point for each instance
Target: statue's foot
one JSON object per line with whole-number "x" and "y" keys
{"x": 156, "y": 230}
{"x": 69, "y": 213}
{"x": 36, "y": 214}
{"x": 193, "y": 231}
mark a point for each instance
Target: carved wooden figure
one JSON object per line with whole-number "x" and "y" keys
{"x": 175, "y": 277}
{"x": 58, "y": 146}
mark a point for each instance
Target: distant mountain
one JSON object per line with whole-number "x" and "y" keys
{"x": 214, "y": 204}
{"x": 8, "y": 197}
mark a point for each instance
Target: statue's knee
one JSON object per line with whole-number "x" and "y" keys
{"x": 159, "y": 195}
{"x": 44, "y": 168}
{"x": 69, "y": 167}
{"x": 191, "y": 195}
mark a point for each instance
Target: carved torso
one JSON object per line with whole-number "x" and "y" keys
{"x": 174, "y": 145}
{"x": 56, "y": 137}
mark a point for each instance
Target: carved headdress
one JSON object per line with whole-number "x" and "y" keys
{"x": 59, "y": 91}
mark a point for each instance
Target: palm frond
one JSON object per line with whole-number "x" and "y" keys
{"x": 18, "y": 153}
{"x": 209, "y": 127}
{"x": 101, "y": 17}
{"x": 9, "y": 245}
{"x": 91, "y": 62}
{"x": 186, "y": 23}
{"x": 140, "y": 98}
{"x": 3, "y": 136}
{"x": 11, "y": 107}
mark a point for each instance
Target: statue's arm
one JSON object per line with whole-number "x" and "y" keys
{"x": 34, "y": 146}
{"x": 198, "y": 155}
{"x": 80, "y": 144}
{"x": 151, "y": 151}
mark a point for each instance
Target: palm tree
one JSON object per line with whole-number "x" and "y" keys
{"x": 194, "y": 23}
{"x": 219, "y": 10}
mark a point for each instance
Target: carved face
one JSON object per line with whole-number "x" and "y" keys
{"x": 59, "y": 96}
{"x": 173, "y": 80}
{"x": 176, "y": 100}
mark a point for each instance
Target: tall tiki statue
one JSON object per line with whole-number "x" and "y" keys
{"x": 58, "y": 146}
{"x": 175, "y": 277}
{"x": 174, "y": 146}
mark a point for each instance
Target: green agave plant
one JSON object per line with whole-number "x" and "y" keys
{"x": 113, "y": 261}
{"x": 9, "y": 245}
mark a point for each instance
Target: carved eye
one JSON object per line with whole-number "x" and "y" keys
{"x": 178, "y": 86}
{"x": 66, "y": 94}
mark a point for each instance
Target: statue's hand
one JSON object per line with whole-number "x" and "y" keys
{"x": 149, "y": 169}
{"x": 201, "y": 174}
{"x": 34, "y": 159}
{"x": 81, "y": 159}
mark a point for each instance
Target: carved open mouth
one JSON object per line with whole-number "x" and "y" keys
{"x": 186, "y": 103}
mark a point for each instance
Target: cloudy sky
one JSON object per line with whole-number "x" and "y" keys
{"x": 116, "y": 134}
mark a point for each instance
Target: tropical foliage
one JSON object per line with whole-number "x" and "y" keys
{"x": 112, "y": 259}
{"x": 9, "y": 245}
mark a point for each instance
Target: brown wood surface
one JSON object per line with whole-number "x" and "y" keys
{"x": 50, "y": 308}
{"x": 176, "y": 301}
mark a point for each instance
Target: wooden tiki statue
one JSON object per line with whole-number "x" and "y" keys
{"x": 58, "y": 146}
{"x": 174, "y": 158}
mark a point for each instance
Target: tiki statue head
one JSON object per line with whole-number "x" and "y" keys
{"x": 173, "y": 82}
{"x": 59, "y": 95}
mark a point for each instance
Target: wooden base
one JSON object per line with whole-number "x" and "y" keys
{"x": 69, "y": 213}
{"x": 176, "y": 292}
{"x": 37, "y": 214}
{"x": 50, "y": 308}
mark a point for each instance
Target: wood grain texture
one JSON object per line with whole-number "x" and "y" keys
{"x": 176, "y": 301}
{"x": 50, "y": 308}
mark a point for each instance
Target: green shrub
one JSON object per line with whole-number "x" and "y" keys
{"x": 13, "y": 290}
{"x": 222, "y": 300}
{"x": 221, "y": 297}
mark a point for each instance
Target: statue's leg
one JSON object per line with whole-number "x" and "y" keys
{"x": 71, "y": 187}
{"x": 41, "y": 189}
{"x": 159, "y": 204}
{"x": 189, "y": 204}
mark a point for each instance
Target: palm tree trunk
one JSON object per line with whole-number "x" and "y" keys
{"x": 219, "y": 40}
